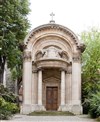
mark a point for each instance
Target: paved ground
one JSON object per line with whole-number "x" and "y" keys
{"x": 25, "y": 118}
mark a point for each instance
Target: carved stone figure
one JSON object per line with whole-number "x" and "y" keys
{"x": 51, "y": 52}
{"x": 38, "y": 55}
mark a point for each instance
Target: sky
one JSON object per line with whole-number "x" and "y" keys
{"x": 77, "y": 15}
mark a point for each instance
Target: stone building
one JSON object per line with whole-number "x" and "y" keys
{"x": 52, "y": 70}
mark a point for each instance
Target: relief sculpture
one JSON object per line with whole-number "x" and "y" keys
{"x": 51, "y": 52}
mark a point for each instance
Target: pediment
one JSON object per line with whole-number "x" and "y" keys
{"x": 51, "y": 79}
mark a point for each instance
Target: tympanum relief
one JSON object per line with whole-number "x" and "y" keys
{"x": 51, "y": 52}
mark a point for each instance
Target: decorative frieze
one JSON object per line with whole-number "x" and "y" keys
{"x": 27, "y": 56}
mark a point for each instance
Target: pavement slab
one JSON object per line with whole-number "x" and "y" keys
{"x": 26, "y": 118}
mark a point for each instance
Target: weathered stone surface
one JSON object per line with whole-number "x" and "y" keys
{"x": 52, "y": 58}
{"x": 76, "y": 109}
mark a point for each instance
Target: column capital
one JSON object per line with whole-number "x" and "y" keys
{"x": 63, "y": 69}
{"x": 76, "y": 58}
{"x": 27, "y": 56}
{"x": 39, "y": 69}
{"x": 69, "y": 70}
{"x": 34, "y": 71}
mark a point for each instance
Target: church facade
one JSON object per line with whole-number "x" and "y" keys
{"x": 52, "y": 70}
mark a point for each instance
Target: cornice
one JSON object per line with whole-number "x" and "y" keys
{"x": 53, "y": 26}
{"x": 48, "y": 27}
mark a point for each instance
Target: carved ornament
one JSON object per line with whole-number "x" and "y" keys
{"x": 81, "y": 47}
{"x": 76, "y": 58}
{"x": 69, "y": 70}
{"x": 51, "y": 52}
{"x": 55, "y": 27}
{"x": 27, "y": 56}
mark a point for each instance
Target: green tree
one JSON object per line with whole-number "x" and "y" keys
{"x": 13, "y": 28}
{"x": 91, "y": 65}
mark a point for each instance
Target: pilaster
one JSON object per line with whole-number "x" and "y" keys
{"x": 27, "y": 79}
{"x": 76, "y": 84}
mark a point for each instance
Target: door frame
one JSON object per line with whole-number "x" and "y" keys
{"x": 51, "y": 82}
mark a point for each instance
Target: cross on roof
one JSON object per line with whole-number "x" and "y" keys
{"x": 52, "y": 15}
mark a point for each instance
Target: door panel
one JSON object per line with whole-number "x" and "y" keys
{"x": 51, "y": 98}
{"x": 48, "y": 99}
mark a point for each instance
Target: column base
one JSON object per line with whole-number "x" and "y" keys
{"x": 77, "y": 109}
{"x": 62, "y": 108}
{"x": 40, "y": 108}
{"x": 26, "y": 109}
{"x": 65, "y": 108}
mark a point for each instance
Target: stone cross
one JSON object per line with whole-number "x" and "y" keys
{"x": 52, "y": 15}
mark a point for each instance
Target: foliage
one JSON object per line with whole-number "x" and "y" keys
{"x": 7, "y": 109}
{"x": 7, "y": 95}
{"x": 13, "y": 28}
{"x": 91, "y": 66}
{"x": 8, "y": 104}
{"x": 95, "y": 105}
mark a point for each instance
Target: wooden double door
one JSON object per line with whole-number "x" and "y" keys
{"x": 52, "y": 98}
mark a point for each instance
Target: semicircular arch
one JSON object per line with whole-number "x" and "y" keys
{"x": 44, "y": 42}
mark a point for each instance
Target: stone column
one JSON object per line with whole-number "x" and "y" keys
{"x": 62, "y": 105}
{"x": 40, "y": 87}
{"x": 27, "y": 76}
{"x": 34, "y": 86}
{"x": 69, "y": 86}
{"x": 76, "y": 85}
{"x": 62, "y": 87}
{"x": 40, "y": 105}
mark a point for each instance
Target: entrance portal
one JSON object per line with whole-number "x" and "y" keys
{"x": 52, "y": 98}
{"x": 52, "y": 67}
